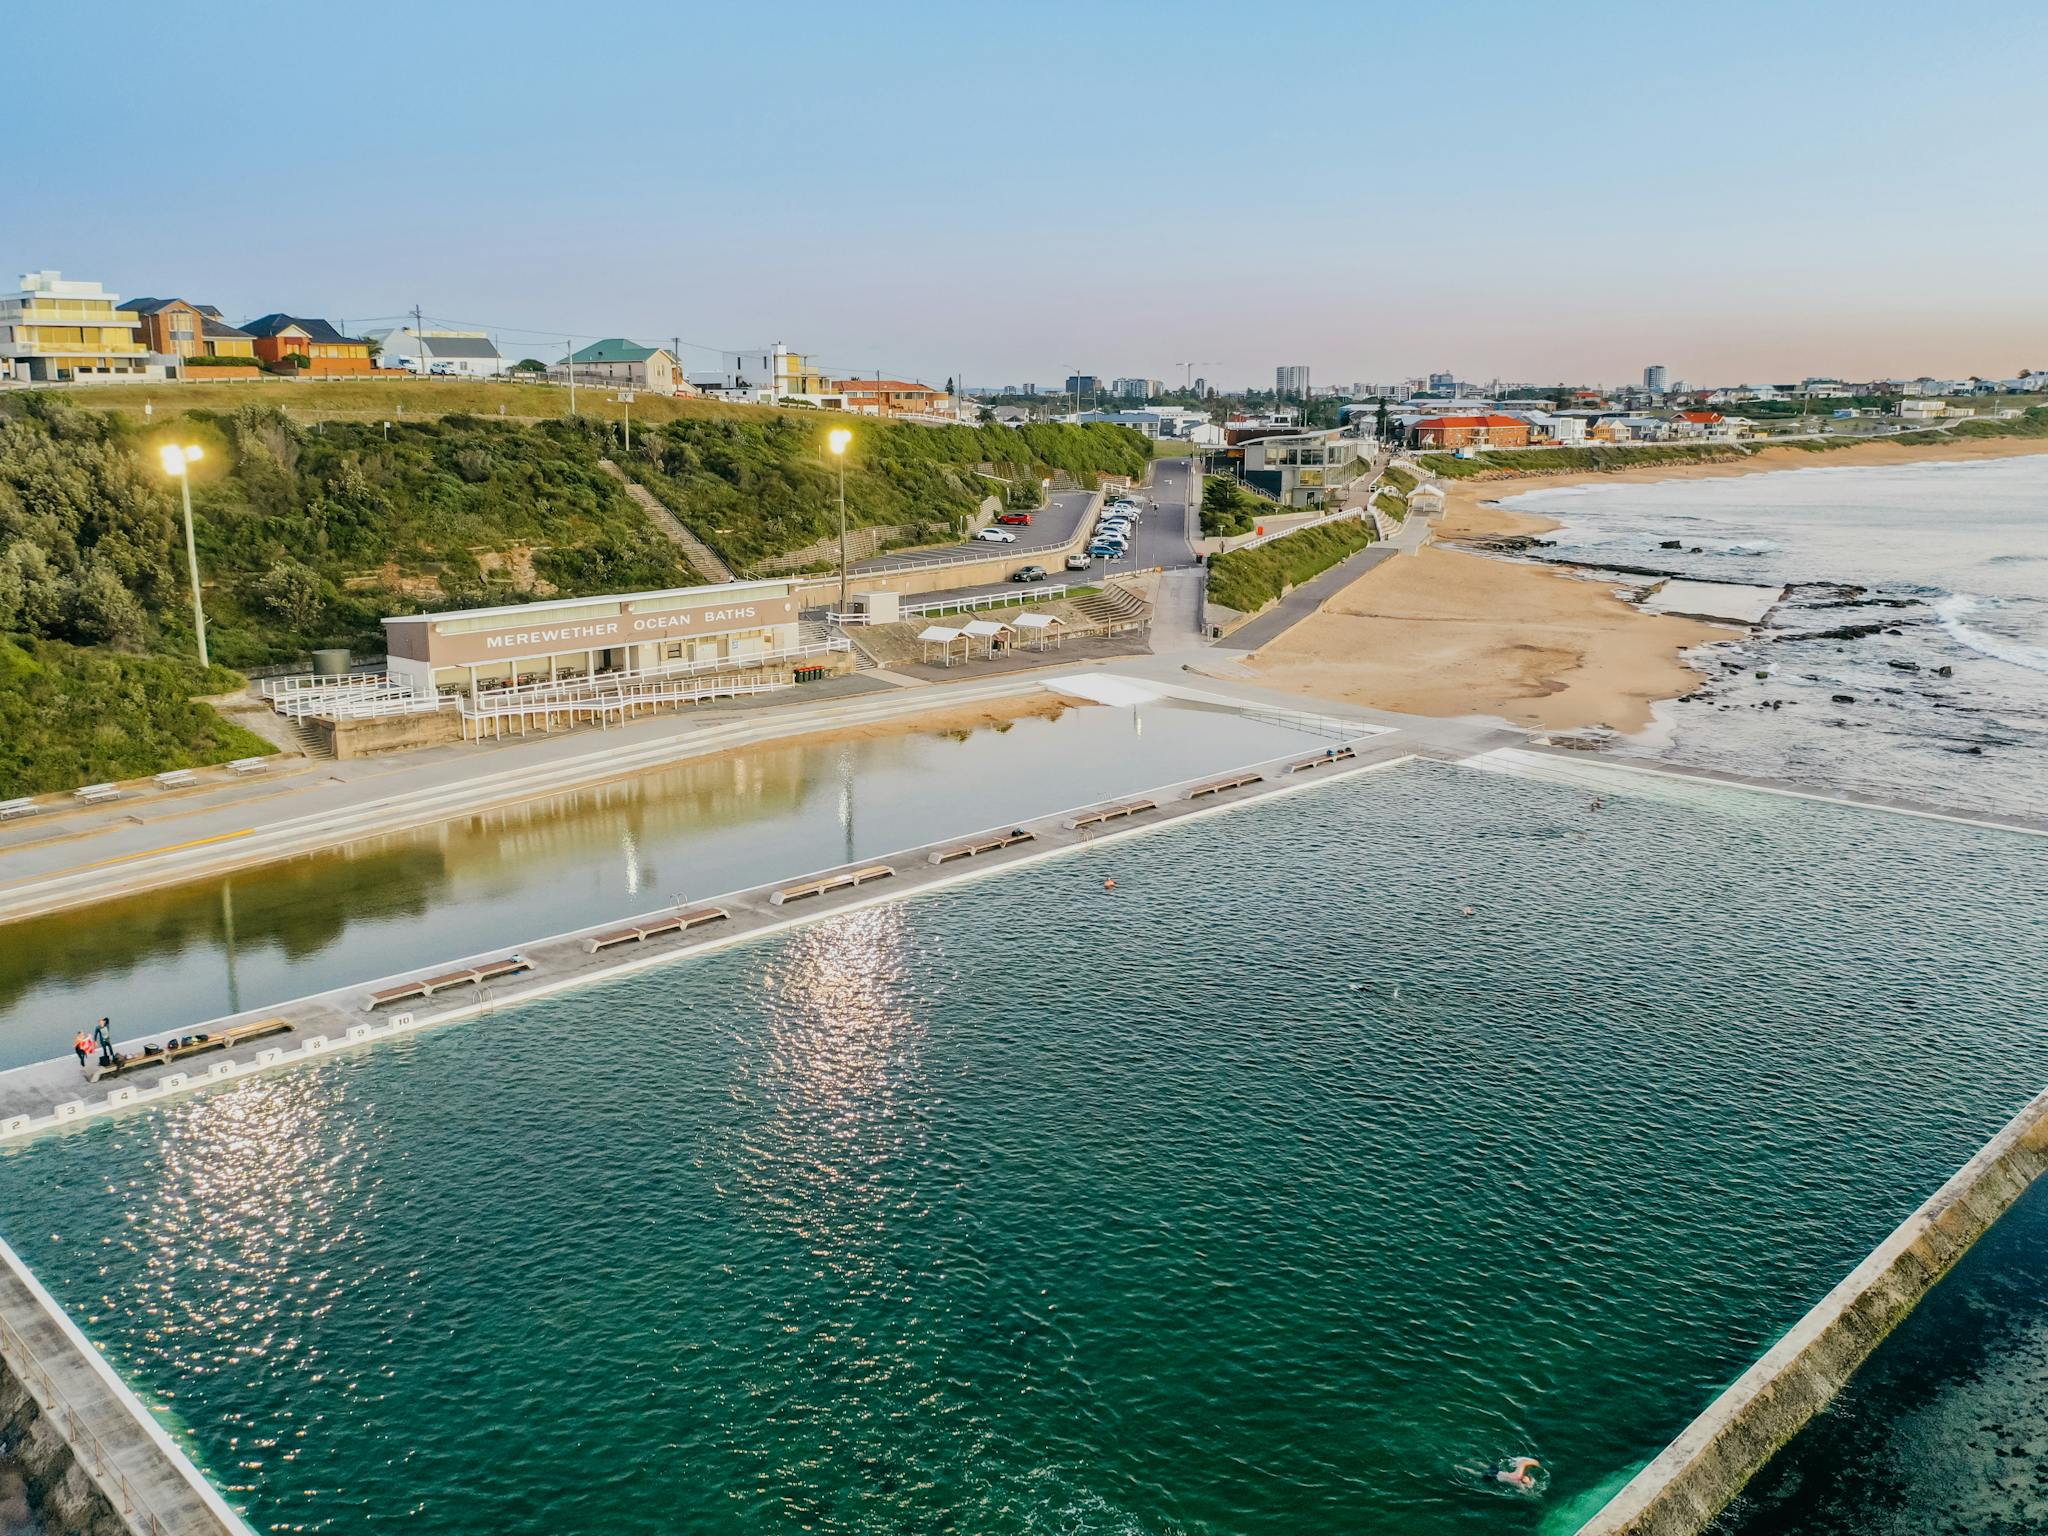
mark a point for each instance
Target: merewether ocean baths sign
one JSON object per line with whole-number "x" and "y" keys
{"x": 636, "y": 626}
{"x": 536, "y": 634}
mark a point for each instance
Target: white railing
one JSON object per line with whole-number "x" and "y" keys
{"x": 1318, "y": 522}
{"x": 559, "y": 688}
{"x": 603, "y": 702}
{"x": 1023, "y": 593}
{"x": 303, "y": 682}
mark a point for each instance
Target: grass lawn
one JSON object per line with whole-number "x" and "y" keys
{"x": 380, "y": 399}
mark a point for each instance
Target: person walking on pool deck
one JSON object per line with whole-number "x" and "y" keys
{"x": 103, "y": 1037}
{"x": 81, "y": 1046}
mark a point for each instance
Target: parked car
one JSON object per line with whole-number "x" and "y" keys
{"x": 1079, "y": 562}
{"x": 1103, "y": 550}
{"x": 1028, "y": 573}
{"x": 1016, "y": 519}
{"x": 996, "y": 536}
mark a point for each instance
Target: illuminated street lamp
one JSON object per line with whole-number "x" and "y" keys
{"x": 176, "y": 460}
{"x": 839, "y": 437}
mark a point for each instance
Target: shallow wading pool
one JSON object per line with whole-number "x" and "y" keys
{"x": 1264, "y": 1194}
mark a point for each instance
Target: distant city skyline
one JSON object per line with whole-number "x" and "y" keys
{"x": 1543, "y": 199}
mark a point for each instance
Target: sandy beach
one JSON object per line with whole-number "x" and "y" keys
{"x": 1450, "y": 632}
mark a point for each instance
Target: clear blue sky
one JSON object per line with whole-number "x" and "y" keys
{"x": 1739, "y": 191}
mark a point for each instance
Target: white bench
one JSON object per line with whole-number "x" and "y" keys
{"x": 25, "y": 806}
{"x": 176, "y": 778}
{"x": 95, "y": 794}
{"x": 247, "y": 765}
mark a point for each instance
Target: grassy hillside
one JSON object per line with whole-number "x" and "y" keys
{"x": 1575, "y": 460}
{"x": 70, "y": 716}
{"x": 1247, "y": 579}
{"x": 764, "y": 484}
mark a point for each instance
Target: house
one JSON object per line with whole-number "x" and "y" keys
{"x": 325, "y": 349}
{"x": 1549, "y": 427}
{"x": 1488, "y": 431}
{"x": 1701, "y": 423}
{"x": 463, "y": 354}
{"x": 1917, "y": 408}
{"x": 763, "y": 377}
{"x": 892, "y": 397}
{"x": 178, "y": 332}
{"x": 626, "y": 364}
{"x": 56, "y": 331}
{"x": 1299, "y": 469}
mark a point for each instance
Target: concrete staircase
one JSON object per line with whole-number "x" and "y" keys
{"x": 1114, "y": 610}
{"x": 700, "y": 554}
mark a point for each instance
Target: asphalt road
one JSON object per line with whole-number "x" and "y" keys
{"x": 1049, "y": 529}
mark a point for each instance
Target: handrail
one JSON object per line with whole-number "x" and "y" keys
{"x": 84, "y": 1441}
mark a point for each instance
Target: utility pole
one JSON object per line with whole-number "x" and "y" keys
{"x": 419, "y": 338}
{"x": 570, "y": 348}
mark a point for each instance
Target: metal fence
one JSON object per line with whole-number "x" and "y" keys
{"x": 85, "y": 1443}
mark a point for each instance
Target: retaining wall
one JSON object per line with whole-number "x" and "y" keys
{"x": 1691, "y": 1480}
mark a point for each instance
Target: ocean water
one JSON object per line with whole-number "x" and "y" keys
{"x": 1267, "y": 1193}
{"x": 1947, "y": 564}
{"x": 1945, "y": 1429}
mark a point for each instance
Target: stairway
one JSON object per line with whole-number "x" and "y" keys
{"x": 700, "y": 554}
{"x": 311, "y": 741}
{"x": 1114, "y": 609}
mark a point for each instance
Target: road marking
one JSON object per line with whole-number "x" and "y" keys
{"x": 150, "y": 853}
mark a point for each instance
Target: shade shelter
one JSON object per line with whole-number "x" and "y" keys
{"x": 986, "y": 633}
{"x": 1040, "y": 629}
{"x": 938, "y": 641}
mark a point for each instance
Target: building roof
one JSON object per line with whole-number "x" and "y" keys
{"x": 614, "y": 349}
{"x": 1704, "y": 418}
{"x": 458, "y": 346}
{"x": 1470, "y": 421}
{"x": 316, "y": 330}
{"x": 875, "y": 386}
{"x": 720, "y": 592}
{"x": 151, "y": 306}
{"x": 213, "y": 328}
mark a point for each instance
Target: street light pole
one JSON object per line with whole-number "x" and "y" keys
{"x": 838, "y": 439}
{"x": 176, "y": 461}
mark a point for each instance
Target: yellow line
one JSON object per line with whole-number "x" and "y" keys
{"x": 149, "y": 853}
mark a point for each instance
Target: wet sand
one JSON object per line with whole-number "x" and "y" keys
{"x": 1450, "y": 632}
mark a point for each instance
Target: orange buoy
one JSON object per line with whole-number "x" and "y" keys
{"x": 1109, "y": 885}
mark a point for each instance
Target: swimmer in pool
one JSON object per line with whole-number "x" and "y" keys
{"x": 1517, "y": 1472}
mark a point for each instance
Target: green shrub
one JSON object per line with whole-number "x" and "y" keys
{"x": 1229, "y": 509}
{"x": 208, "y": 360}
{"x": 1248, "y": 579}
{"x": 71, "y": 717}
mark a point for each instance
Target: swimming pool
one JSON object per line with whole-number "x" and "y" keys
{"x": 1264, "y": 1194}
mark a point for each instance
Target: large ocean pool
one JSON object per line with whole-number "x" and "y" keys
{"x": 1267, "y": 1193}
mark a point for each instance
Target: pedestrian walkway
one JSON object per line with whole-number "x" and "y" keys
{"x": 701, "y": 555}
{"x": 1318, "y": 590}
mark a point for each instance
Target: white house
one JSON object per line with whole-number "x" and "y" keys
{"x": 764, "y": 376}
{"x": 463, "y": 354}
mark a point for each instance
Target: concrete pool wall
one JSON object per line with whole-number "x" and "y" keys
{"x": 1688, "y": 1483}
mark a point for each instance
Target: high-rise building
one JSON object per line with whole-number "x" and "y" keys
{"x": 1447, "y": 382}
{"x": 1131, "y": 389}
{"x": 1657, "y": 377}
{"x": 1291, "y": 381}
{"x": 1201, "y": 389}
{"x": 1082, "y": 383}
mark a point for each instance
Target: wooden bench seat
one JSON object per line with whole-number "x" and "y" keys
{"x": 1323, "y": 760}
{"x": 682, "y": 922}
{"x": 1218, "y": 786}
{"x": 845, "y": 880}
{"x": 986, "y": 845}
{"x": 1111, "y": 813}
{"x": 468, "y": 976}
{"x": 25, "y": 806}
{"x": 217, "y": 1040}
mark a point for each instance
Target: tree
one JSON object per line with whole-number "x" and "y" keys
{"x": 529, "y": 365}
{"x": 106, "y": 612}
{"x": 294, "y": 592}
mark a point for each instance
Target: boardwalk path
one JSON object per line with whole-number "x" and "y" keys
{"x": 707, "y": 563}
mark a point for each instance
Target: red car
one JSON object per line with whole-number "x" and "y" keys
{"x": 1016, "y": 519}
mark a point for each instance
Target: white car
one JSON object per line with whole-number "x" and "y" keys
{"x": 996, "y": 536}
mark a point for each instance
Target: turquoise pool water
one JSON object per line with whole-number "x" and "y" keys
{"x": 1265, "y": 1194}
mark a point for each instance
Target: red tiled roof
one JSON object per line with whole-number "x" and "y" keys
{"x": 872, "y": 386}
{"x": 1707, "y": 418}
{"x": 1470, "y": 421}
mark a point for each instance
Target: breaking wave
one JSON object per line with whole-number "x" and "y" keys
{"x": 1953, "y": 609}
